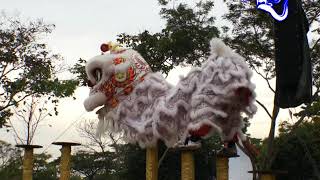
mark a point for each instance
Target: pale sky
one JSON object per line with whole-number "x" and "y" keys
{"x": 81, "y": 26}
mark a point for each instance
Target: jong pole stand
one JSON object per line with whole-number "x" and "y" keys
{"x": 27, "y": 160}
{"x": 222, "y": 164}
{"x": 65, "y": 162}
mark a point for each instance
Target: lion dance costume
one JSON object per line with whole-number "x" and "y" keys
{"x": 144, "y": 107}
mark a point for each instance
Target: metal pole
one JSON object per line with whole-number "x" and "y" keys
{"x": 65, "y": 161}
{"x": 152, "y": 163}
{"x": 28, "y": 161}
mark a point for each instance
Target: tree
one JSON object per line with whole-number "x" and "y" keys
{"x": 6, "y": 153}
{"x": 94, "y": 143}
{"x": 10, "y": 162}
{"x": 184, "y": 40}
{"x": 31, "y": 114}
{"x": 99, "y": 157}
{"x": 79, "y": 70}
{"x": 298, "y": 152}
{"x": 43, "y": 169}
{"x": 27, "y": 67}
{"x": 91, "y": 164}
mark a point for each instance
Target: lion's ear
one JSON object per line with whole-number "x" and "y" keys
{"x": 218, "y": 47}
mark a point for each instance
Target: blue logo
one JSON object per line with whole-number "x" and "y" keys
{"x": 266, "y": 5}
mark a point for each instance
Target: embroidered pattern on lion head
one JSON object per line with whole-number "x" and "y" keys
{"x": 144, "y": 107}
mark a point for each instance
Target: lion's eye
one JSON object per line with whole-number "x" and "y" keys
{"x": 97, "y": 74}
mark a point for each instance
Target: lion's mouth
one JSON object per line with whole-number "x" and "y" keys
{"x": 100, "y": 111}
{"x": 95, "y": 100}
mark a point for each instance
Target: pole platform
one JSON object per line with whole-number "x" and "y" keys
{"x": 187, "y": 161}
{"x": 222, "y": 165}
{"x": 221, "y": 154}
{"x": 66, "y": 143}
{"x": 65, "y": 161}
{"x": 27, "y": 160}
{"x": 268, "y": 174}
{"x": 25, "y": 146}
